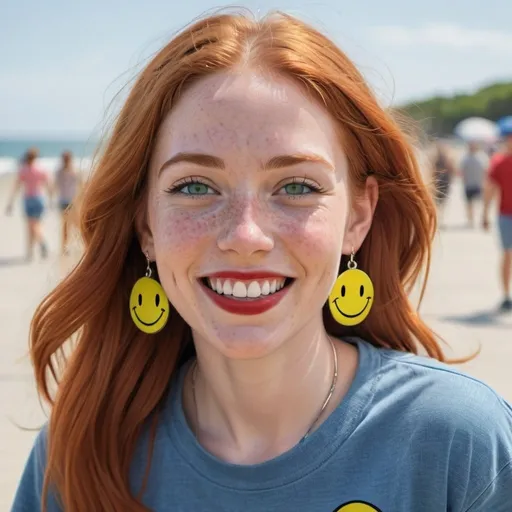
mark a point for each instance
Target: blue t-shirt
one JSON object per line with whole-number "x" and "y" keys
{"x": 411, "y": 435}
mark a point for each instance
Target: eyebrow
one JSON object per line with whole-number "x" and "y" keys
{"x": 276, "y": 162}
{"x": 194, "y": 158}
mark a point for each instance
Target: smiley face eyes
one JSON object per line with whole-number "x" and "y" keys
{"x": 344, "y": 291}
{"x": 157, "y": 299}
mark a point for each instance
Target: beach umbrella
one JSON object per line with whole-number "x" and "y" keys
{"x": 505, "y": 125}
{"x": 477, "y": 129}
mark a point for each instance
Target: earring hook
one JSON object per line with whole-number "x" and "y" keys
{"x": 149, "y": 271}
{"x": 352, "y": 264}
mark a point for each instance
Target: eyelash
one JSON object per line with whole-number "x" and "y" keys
{"x": 176, "y": 189}
{"x": 316, "y": 189}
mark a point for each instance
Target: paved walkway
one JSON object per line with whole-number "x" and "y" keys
{"x": 460, "y": 304}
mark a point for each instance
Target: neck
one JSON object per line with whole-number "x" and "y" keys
{"x": 248, "y": 411}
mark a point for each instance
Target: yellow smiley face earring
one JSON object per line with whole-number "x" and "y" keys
{"x": 351, "y": 297}
{"x": 149, "y": 306}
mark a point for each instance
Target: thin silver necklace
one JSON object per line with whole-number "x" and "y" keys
{"x": 322, "y": 409}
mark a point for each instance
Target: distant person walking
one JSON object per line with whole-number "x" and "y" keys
{"x": 32, "y": 179}
{"x": 473, "y": 167}
{"x": 499, "y": 183}
{"x": 442, "y": 174}
{"x": 67, "y": 183}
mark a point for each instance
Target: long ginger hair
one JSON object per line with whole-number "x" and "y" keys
{"x": 116, "y": 378}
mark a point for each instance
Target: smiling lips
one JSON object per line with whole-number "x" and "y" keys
{"x": 245, "y": 293}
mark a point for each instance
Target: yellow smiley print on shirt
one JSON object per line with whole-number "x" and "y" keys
{"x": 357, "y": 506}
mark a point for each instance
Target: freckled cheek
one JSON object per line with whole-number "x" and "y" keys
{"x": 318, "y": 237}
{"x": 179, "y": 232}
{"x": 181, "y": 239}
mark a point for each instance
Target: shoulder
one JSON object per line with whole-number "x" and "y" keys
{"x": 446, "y": 392}
{"x": 449, "y": 405}
{"x": 498, "y": 161}
{"x": 29, "y": 493}
{"x": 30, "y": 486}
{"x": 483, "y": 158}
{"x": 446, "y": 415}
{"x": 41, "y": 172}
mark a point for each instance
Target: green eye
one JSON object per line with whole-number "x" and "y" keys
{"x": 196, "y": 189}
{"x": 297, "y": 189}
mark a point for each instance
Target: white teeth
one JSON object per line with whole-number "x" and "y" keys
{"x": 239, "y": 290}
{"x": 254, "y": 290}
{"x": 226, "y": 289}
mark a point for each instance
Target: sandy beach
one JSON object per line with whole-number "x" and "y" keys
{"x": 460, "y": 304}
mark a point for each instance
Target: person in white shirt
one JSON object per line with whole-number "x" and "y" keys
{"x": 473, "y": 167}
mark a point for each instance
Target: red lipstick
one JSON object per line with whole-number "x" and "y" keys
{"x": 247, "y": 276}
{"x": 245, "y": 306}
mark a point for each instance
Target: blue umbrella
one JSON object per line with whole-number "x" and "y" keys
{"x": 505, "y": 126}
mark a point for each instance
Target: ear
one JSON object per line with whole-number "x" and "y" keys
{"x": 361, "y": 215}
{"x": 144, "y": 233}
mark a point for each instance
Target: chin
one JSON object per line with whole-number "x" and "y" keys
{"x": 245, "y": 342}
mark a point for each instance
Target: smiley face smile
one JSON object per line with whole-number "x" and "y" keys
{"x": 335, "y": 301}
{"x": 146, "y": 323}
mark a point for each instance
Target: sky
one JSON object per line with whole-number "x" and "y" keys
{"x": 63, "y": 62}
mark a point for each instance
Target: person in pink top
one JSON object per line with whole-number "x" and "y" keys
{"x": 33, "y": 180}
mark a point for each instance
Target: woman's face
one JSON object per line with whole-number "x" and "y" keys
{"x": 249, "y": 211}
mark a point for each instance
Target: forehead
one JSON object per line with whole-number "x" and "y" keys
{"x": 247, "y": 111}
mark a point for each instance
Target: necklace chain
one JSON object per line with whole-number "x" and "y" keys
{"x": 322, "y": 409}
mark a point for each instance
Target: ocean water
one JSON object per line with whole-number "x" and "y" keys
{"x": 11, "y": 150}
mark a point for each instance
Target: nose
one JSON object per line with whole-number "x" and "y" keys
{"x": 244, "y": 232}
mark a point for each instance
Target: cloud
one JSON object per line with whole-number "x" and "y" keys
{"x": 444, "y": 35}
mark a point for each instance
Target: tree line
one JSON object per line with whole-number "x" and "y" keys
{"x": 439, "y": 115}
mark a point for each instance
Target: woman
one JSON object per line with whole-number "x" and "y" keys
{"x": 33, "y": 180}
{"x": 221, "y": 364}
{"x": 443, "y": 172}
{"x": 67, "y": 183}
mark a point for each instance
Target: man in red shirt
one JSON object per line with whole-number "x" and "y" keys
{"x": 499, "y": 183}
